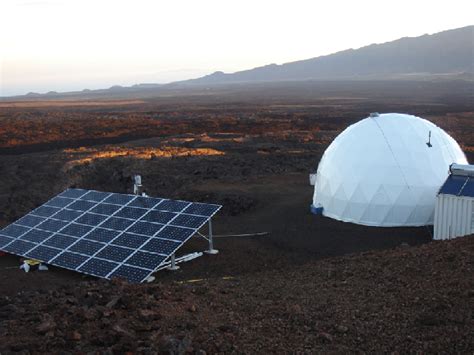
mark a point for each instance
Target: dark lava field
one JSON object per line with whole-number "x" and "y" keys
{"x": 310, "y": 284}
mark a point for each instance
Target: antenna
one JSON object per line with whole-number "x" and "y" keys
{"x": 429, "y": 140}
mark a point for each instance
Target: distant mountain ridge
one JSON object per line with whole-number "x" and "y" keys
{"x": 443, "y": 55}
{"x": 447, "y": 52}
{"x": 119, "y": 90}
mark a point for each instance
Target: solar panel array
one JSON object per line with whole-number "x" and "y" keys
{"x": 458, "y": 185}
{"x": 106, "y": 234}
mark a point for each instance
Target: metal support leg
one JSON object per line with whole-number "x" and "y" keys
{"x": 173, "y": 266}
{"x": 211, "y": 250}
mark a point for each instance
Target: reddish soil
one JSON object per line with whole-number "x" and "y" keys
{"x": 311, "y": 284}
{"x": 375, "y": 302}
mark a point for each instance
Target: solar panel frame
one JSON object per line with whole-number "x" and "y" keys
{"x": 58, "y": 246}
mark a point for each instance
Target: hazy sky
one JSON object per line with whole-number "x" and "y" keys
{"x": 67, "y": 45}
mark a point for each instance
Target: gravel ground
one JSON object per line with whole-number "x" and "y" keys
{"x": 408, "y": 299}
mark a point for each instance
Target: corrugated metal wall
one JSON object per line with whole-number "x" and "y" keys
{"x": 454, "y": 216}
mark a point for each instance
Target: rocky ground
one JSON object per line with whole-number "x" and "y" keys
{"x": 312, "y": 284}
{"x": 409, "y": 299}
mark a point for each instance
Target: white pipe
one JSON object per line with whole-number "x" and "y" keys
{"x": 259, "y": 234}
{"x": 462, "y": 169}
{"x": 181, "y": 259}
{"x": 211, "y": 250}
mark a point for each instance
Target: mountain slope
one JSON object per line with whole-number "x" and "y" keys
{"x": 429, "y": 56}
{"x": 448, "y": 52}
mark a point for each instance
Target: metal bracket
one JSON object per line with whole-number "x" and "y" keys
{"x": 202, "y": 235}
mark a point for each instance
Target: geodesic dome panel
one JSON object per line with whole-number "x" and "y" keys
{"x": 381, "y": 171}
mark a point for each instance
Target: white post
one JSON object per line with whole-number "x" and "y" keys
{"x": 173, "y": 266}
{"x": 137, "y": 184}
{"x": 211, "y": 250}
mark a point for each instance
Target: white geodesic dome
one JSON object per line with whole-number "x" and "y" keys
{"x": 381, "y": 172}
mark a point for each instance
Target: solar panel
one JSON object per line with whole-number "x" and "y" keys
{"x": 102, "y": 235}
{"x": 190, "y": 221}
{"x": 67, "y": 215}
{"x": 98, "y": 267}
{"x": 45, "y": 211}
{"x": 95, "y": 196}
{"x": 42, "y": 252}
{"x": 146, "y": 228}
{"x": 130, "y": 240}
{"x": 131, "y": 212}
{"x": 36, "y": 236}
{"x": 70, "y": 260}
{"x": 106, "y": 234}
{"x": 91, "y": 219}
{"x": 146, "y": 260}
{"x": 105, "y": 209}
{"x": 73, "y": 193}
{"x": 453, "y": 185}
{"x": 130, "y": 273}
{"x": 14, "y": 231}
{"x": 114, "y": 253}
{"x": 86, "y": 247}
{"x": 173, "y": 206}
{"x": 202, "y": 209}
{"x": 52, "y": 225}
{"x": 175, "y": 233}
{"x": 159, "y": 216}
{"x": 5, "y": 240}
{"x": 458, "y": 186}
{"x": 145, "y": 202}
{"x": 81, "y": 205}
{"x": 468, "y": 188}
{"x": 76, "y": 230}
{"x": 60, "y": 202}
{"x": 161, "y": 246}
{"x": 30, "y": 221}
{"x": 60, "y": 241}
{"x": 19, "y": 247}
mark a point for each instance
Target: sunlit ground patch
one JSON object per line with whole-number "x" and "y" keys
{"x": 81, "y": 156}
